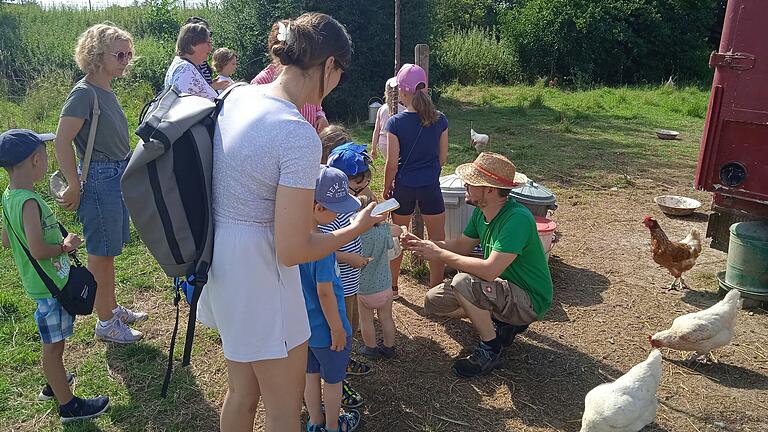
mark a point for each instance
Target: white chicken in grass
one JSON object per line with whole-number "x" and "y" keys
{"x": 703, "y": 331}
{"x": 479, "y": 141}
{"x": 627, "y": 404}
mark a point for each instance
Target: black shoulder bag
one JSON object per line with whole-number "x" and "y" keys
{"x": 79, "y": 293}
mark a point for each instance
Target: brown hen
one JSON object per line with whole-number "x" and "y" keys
{"x": 677, "y": 257}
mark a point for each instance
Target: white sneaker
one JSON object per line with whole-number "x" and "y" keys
{"x": 128, "y": 316}
{"x": 117, "y": 331}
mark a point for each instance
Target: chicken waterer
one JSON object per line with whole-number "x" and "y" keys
{"x": 747, "y": 264}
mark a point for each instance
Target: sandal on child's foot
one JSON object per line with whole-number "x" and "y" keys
{"x": 348, "y": 421}
{"x": 395, "y": 294}
{"x": 355, "y": 367}
{"x": 315, "y": 427}
{"x": 349, "y": 397}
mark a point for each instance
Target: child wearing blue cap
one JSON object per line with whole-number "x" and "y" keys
{"x": 34, "y": 227}
{"x": 353, "y": 161}
{"x": 330, "y": 341}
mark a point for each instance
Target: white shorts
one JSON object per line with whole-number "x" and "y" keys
{"x": 256, "y": 304}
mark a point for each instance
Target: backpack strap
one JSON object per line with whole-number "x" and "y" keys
{"x": 91, "y": 137}
{"x": 47, "y": 281}
{"x": 200, "y": 279}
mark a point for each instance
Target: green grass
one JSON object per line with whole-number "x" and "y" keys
{"x": 583, "y": 140}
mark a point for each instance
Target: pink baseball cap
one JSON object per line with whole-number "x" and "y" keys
{"x": 409, "y": 77}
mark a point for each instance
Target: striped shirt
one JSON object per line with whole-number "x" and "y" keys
{"x": 350, "y": 276}
{"x": 310, "y": 112}
{"x": 205, "y": 70}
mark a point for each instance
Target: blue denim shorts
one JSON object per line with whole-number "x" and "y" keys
{"x": 331, "y": 365}
{"x": 53, "y": 322}
{"x": 429, "y": 198}
{"x": 106, "y": 226}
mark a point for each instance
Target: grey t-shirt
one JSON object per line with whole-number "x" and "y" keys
{"x": 111, "y": 142}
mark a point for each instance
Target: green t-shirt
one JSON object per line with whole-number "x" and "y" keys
{"x": 513, "y": 230}
{"x": 57, "y": 267}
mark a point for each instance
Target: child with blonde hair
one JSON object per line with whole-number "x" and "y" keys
{"x": 224, "y": 63}
{"x": 375, "y": 295}
{"x": 391, "y": 103}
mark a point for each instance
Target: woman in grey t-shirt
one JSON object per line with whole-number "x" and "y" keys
{"x": 103, "y": 52}
{"x": 266, "y": 159}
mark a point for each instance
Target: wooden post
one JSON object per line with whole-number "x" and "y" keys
{"x": 421, "y": 56}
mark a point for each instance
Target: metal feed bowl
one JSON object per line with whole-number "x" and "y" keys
{"x": 667, "y": 134}
{"x": 677, "y": 205}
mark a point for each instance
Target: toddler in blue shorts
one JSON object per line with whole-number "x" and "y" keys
{"x": 31, "y": 227}
{"x": 331, "y": 334}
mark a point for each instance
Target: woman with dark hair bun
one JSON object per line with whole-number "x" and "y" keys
{"x": 266, "y": 160}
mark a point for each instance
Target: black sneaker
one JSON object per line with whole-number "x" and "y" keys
{"x": 46, "y": 393}
{"x": 83, "y": 409}
{"x": 506, "y": 333}
{"x": 479, "y": 363}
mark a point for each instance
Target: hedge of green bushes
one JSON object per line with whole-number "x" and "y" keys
{"x": 579, "y": 41}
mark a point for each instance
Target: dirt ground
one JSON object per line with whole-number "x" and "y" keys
{"x": 609, "y": 296}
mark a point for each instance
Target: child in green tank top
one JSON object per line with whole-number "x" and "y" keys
{"x": 29, "y": 223}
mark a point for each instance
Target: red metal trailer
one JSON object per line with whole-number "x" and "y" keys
{"x": 733, "y": 159}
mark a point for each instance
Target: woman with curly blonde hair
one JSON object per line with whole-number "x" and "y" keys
{"x": 103, "y": 52}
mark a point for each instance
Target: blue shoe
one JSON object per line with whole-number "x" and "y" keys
{"x": 348, "y": 421}
{"x": 83, "y": 409}
{"x": 370, "y": 352}
{"x": 315, "y": 427}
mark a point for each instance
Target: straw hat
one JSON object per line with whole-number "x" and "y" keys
{"x": 492, "y": 170}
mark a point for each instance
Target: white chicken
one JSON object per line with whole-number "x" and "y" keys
{"x": 702, "y": 331}
{"x": 478, "y": 140}
{"x": 627, "y": 404}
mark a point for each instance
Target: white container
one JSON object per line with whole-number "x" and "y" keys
{"x": 457, "y": 211}
{"x": 373, "y": 111}
{"x": 546, "y": 229}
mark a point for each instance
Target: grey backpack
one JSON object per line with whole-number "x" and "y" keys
{"x": 167, "y": 189}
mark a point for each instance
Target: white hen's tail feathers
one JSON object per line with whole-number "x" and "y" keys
{"x": 693, "y": 239}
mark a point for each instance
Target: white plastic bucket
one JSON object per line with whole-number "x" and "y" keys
{"x": 457, "y": 211}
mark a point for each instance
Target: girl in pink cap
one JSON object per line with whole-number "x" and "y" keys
{"x": 417, "y": 150}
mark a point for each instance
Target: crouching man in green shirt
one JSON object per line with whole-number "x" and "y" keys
{"x": 507, "y": 289}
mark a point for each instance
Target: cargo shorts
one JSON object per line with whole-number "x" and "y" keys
{"x": 506, "y": 301}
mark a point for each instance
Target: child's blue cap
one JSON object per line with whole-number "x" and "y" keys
{"x": 332, "y": 191}
{"x": 350, "y": 158}
{"x": 18, "y": 144}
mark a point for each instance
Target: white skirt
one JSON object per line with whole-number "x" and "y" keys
{"x": 256, "y": 304}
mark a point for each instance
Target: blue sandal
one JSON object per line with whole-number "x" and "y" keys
{"x": 315, "y": 427}
{"x": 348, "y": 421}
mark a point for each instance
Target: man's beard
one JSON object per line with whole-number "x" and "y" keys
{"x": 471, "y": 202}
